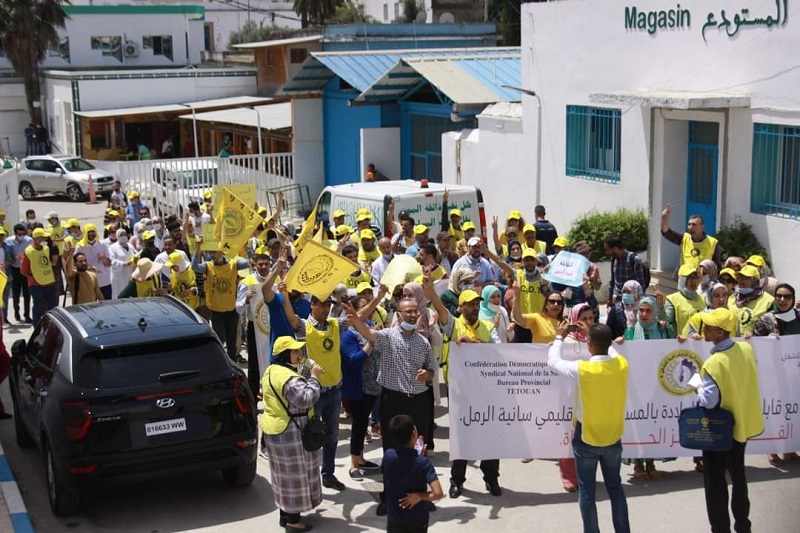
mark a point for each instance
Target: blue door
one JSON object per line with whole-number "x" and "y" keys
{"x": 701, "y": 174}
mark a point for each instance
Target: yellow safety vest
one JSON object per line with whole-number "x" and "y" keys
{"x": 603, "y": 388}
{"x": 274, "y": 420}
{"x": 379, "y": 317}
{"x": 693, "y": 253}
{"x": 530, "y": 294}
{"x": 684, "y": 310}
{"x": 735, "y": 372}
{"x": 368, "y": 257}
{"x": 751, "y": 312}
{"x": 181, "y": 282}
{"x": 41, "y": 267}
{"x": 221, "y": 286}
{"x": 323, "y": 348}
{"x": 148, "y": 287}
{"x": 456, "y": 234}
{"x": 352, "y": 282}
{"x": 480, "y": 331}
{"x": 57, "y": 235}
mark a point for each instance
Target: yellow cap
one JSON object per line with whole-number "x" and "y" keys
{"x": 528, "y": 227}
{"x": 514, "y": 214}
{"x": 729, "y": 271}
{"x": 89, "y": 227}
{"x": 39, "y": 233}
{"x": 133, "y": 194}
{"x": 367, "y": 234}
{"x": 561, "y": 242}
{"x": 363, "y": 286}
{"x": 468, "y": 225}
{"x": 419, "y": 229}
{"x": 529, "y": 252}
{"x": 208, "y": 195}
{"x": 108, "y": 227}
{"x": 174, "y": 258}
{"x": 262, "y": 250}
{"x": 455, "y": 212}
{"x": 73, "y": 223}
{"x": 363, "y": 216}
{"x": 468, "y": 296}
{"x": 339, "y": 213}
{"x": 286, "y": 343}
{"x": 112, "y": 213}
{"x": 343, "y": 229}
{"x": 149, "y": 234}
{"x": 687, "y": 270}
{"x": 756, "y": 261}
{"x": 749, "y": 271}
{"x": 720, "y": 317}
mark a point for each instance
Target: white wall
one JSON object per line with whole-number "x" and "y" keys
{"x": 228, "y": 18}
{"x": 58, "y": 107}
{"x": 14, "y": 117}
{"x": 381, "y": 147}
{"x": 374, "y": 9}
{"x": 307, "y": 136}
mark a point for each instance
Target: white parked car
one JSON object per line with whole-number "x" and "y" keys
{"x": 61, "y": 174}
{"x": 177, "y": 183}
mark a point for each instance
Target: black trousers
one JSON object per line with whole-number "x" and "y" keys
{"x": 19, "y": 287}
{"x": 715, "y": 464}
{"x": 489, "y": 467}
{"x": 395, "y": 527}
{"x": 398, "y": 403}
{"x": 253, "y": 372}
{"x": 360, "y": 409}
{"x": 522, "y": 335}
{"x": 224, "y": 324}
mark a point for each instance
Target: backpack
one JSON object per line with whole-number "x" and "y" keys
{"x": 631, "y": 259}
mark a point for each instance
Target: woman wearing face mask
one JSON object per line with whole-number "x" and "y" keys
{"x": 727, "y": 276}
{"x": 136, "y": 239}
{"x": 123, "y": 263}
{"x": 514, "y": 258}
{"x": 682, "y": 305}
{"x": 623, "y": 313}
{"x": 708, "y": 276}
{"x": 291, "y": 389}
{"x": 752, "y": 302}
{"x": 492, "y": 310}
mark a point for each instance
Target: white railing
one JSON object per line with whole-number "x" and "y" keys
{"x": 168, "y": 185}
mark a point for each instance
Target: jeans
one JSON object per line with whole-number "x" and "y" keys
{"x": 327, "y": 408}
{"x": 610, "y": 459}
{"x": 224, "y": 324}
{"x": 716, "y": 487}
{"x": 44, "y": 299}
{"x": 19, "y": 286}
{"x": 106, "y": 291}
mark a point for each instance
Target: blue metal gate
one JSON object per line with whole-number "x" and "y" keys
{"x": 702, "y": 172}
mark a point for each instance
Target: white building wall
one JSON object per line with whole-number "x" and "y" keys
{"x": 393, "y": 10}
{"x": 58, "y": 107}
{"x": 307, "y": 137}
{"x": 381, "y": 147}
{"x": 227, "y": 19}
{"x": 13, "y": 117}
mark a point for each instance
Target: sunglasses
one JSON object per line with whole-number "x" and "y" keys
{"x": 557, "y": 302}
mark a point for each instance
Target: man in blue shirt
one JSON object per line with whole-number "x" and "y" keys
{"x": 279, "y": 325}
{"x": 19, "y": 285}
{"x": 406, "y": 479}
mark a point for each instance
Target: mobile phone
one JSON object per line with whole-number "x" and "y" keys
{"x": 571, "y": 328}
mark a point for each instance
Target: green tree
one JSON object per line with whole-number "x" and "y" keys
{"x": 252, "y": 32}
{"x": 28, "y": 28}
{"x": 349, "y": 12}
{"x": 412, "y": 9}
{"x": 506, "y": 14}
{"x": 315, "y": 12}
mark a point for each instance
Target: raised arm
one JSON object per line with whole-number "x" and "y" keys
{"x": 430, "y": 293}
{"x": 505, "y": 267}
{"x": 266, "y": 289}
{"x": 498, "y": 246}
{"x": 355, "y": 321}
{"x": 368, "y": 309}
{"x": 445, "y": 219}
{"x": 291, "y": 316}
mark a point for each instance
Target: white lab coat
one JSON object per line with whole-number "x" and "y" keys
{"x": 121, "y": 267}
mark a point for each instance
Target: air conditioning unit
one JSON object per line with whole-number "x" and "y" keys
{"x": 131, "y": 49}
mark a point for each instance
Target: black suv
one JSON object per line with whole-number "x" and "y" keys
{"x": 128, "y": 389}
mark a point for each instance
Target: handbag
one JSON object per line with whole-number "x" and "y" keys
{"x": 706, "y": 429}
{"x": 313, "y": 434}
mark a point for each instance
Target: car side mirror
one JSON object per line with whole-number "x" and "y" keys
{"x": 59, "y": 170}
{"x": 18, "y": 348}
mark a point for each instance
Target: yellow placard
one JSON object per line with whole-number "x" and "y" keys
{"x": 318, "y": 270}
{"x": 401, "y": 270}
{"x": 210, "y": 240}
{"x": 307, "y": 231}
{"x": 236, "y": 224}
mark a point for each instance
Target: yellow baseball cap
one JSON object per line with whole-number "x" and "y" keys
{"x": 363, "y": 286}
{"x": 343, "y": 229}
{"x": 687, "y": 270}
{"x": 720, "y": 317}
{"x": 113, "y": 213}
{"x": 468, "y": 225}
{"x": 729, "y": 271}
{"x": 455, "y": 212}
{"x": 174, "y": 258}
{"x": 528, "y": 227}
{"x": 367, "y": 234}
{"x": 73, "y": 223}
{"x": 149, "y": 234}
{"x": 468, "y": 296}
{"x": 363, "y": 216}
{"x": 89, "y": 227}
{"x": 749, "y": 271}
{"x": 514, "y": 214}
{"x": 561, "y": 242}
{"x": 208, "y": 195}
{"x": 339, "y": 213}
{"x": 286, "y": 342}
{"x": 262, "y": 250}
{"x": 133, "y": 194}
{"x": 529, "y": 252}
{"x": 39, "y": 233}
{"x": 756, "y": 261}
{"x": 419, "y": 229}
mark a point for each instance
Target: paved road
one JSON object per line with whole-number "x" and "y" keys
{"x": 532, "y": 500}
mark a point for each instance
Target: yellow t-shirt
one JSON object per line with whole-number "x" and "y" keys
{"x": 543, "y": 327}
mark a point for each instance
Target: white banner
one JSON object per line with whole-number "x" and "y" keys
{"x": 505, "y": 402}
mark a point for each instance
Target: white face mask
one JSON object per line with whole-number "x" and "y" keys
{"x": 786, "y": 316}
{"x": 408, "y": 326}
{"x": 494, "y": 307}
{"x": 123, "y": 239}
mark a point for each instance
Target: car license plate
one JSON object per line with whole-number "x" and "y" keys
{"x": 162, "y": 427}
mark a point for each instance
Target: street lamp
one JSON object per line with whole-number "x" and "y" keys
{"x": 258, "y": 130}
{"x": 194, "y": 129}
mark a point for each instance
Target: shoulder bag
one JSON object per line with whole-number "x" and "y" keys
{"x": 706, "y": 429}
{"x": 313, "y": 434}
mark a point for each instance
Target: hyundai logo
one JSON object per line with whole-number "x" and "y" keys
{"x": 165, "y": 403}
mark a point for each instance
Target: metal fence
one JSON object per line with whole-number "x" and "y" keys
{"x": 168, "y": 185}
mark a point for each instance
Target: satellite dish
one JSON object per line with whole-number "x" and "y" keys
{"x": 446, "y": 18}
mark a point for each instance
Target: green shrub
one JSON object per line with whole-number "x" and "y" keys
{"x": 738, "y": 239}
{"x": 594, "y": 227}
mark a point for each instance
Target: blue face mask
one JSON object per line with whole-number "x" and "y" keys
{"x": 744, "y": 291}
{"x": 628, "y": 298}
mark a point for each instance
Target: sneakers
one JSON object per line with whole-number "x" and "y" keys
{"x": 356, "y": 474}
{"x": 369, "y": 465}
{"x": 332, "y": 483}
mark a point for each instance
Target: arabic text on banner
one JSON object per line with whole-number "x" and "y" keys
{"x": 506, "y": 402}
{"x": 567, "y": 268}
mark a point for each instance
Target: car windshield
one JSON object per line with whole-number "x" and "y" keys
{"x": 76, "y": 165}
{"x": 197, "y": 179}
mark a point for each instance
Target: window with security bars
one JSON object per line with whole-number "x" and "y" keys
{"x": 593, "y": 143}
{"x": 776, "y": 170}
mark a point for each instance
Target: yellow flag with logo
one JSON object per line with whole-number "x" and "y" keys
{"x": 318, "y": 270}
{"x": 245, "y": 191}
{"x": 308, "y": 230}
{"x": 236, "y": 223}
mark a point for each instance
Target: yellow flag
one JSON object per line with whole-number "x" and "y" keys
{"x": 3, "y": 282}
{"x": 236, "y": 224}
{"x": 210, "y": 239}
{"x": 245, "y": 191}
{"x": 318, "y": 270}
{"x": 307, "y": 231}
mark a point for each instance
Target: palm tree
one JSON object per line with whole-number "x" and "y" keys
{"x": 28, "y": 28}
{"x": 315, "y": 12}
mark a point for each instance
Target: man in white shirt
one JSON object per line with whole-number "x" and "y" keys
{"x": 98, "y": 257}
{"x": 380, "y": 264}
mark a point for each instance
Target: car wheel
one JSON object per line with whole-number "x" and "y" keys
{"x": 24, "y": 439}
{"x": 26, "y": 190}
{"x": 74, "y": 193}
{"x": 64, "y": 499}
{"x": 241, "y": 475}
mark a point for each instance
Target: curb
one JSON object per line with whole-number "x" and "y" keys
{"x": 9, "y": 490}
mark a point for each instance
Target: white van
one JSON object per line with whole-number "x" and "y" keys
{"x": 420, "y": 199}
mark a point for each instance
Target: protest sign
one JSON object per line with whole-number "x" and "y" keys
{"x": 505, "y": 401}
{"x": 567, "y": 268}
{"x": 318, "y": 270}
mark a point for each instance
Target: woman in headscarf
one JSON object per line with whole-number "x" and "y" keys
{"x": 685, "y": 303}
{"x": 581, "y": 319}
{"x": 136, "y": 240}
{"x": 290, "y": 391}
{"x": 708, "y": 276}
{"x": 514, "y": 258}
{"x": 622, "y": 314}
{"x": 460, "y": 279}
{"x": 716, "y": 297}
{"x": 492, "y": 310}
